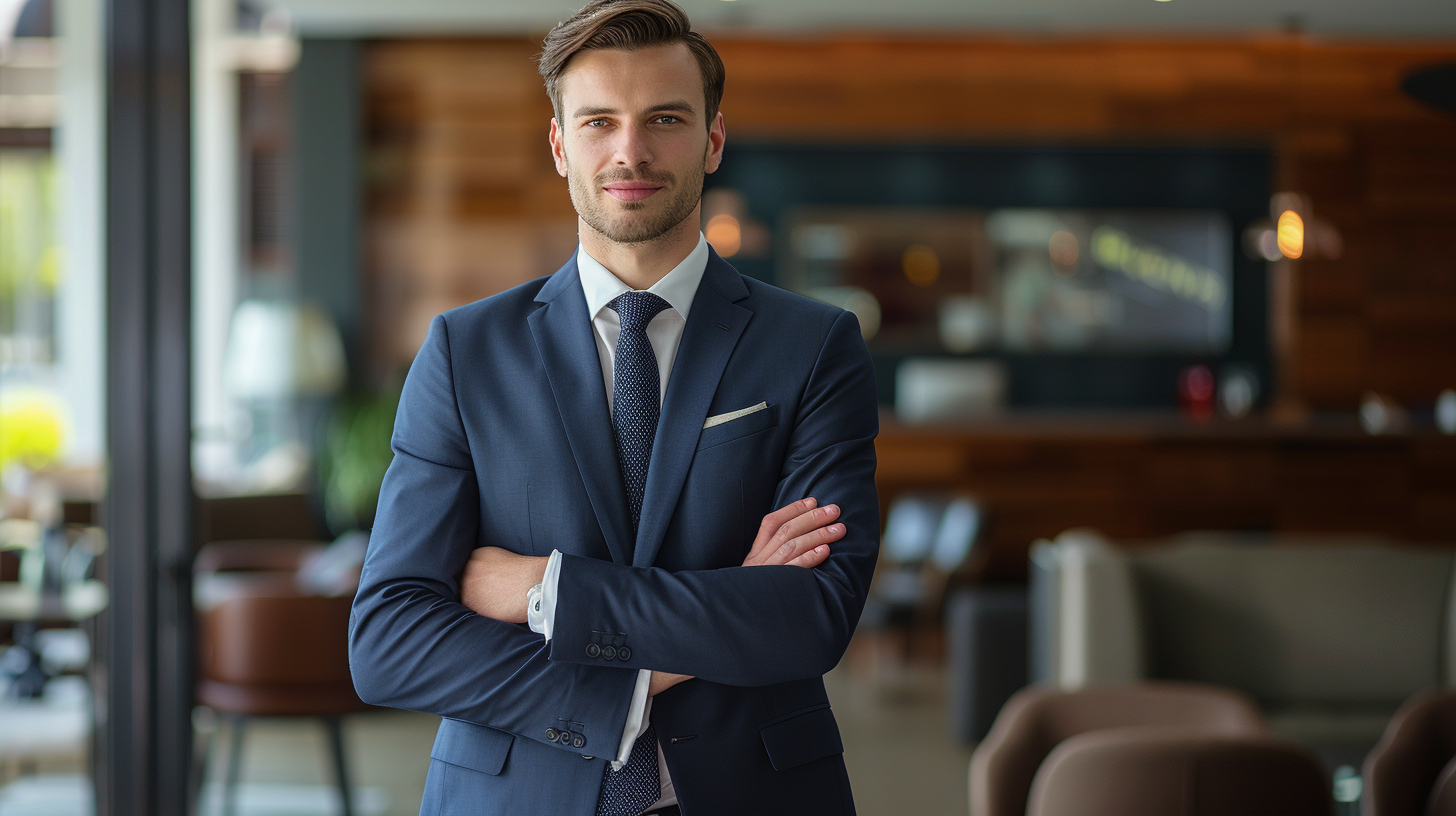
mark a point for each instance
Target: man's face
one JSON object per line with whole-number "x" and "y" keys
{"x": 633, "y": 145}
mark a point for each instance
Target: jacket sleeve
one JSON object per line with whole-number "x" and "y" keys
{"x": 751, "y": 626}
{"x": 412, "y": 644}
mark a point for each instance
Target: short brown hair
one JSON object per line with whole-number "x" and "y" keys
{"x": 628, "y": 25}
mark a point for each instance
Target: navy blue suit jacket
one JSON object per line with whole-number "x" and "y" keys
{"x": 503, "y": 438}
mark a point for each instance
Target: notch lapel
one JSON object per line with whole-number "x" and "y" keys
{"x": 563, "y": 334}
{"x": 715, "y": 322}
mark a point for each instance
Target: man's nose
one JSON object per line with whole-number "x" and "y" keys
{"x": 633, "y": 146}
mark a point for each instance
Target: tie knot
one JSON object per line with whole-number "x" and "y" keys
{"x": 636, "y": 309}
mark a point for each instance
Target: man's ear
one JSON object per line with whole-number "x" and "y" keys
{"x": 716, "y": 137}
{"x": 558, "y": 150}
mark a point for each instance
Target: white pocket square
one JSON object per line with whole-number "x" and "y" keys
{"x": 732, "y": 415}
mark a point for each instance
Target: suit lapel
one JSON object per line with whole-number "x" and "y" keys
{"x": 563, "y": 334}
{"x": 715, "y": 322}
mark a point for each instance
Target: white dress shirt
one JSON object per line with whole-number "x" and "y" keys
{"x": 664, "y": 331}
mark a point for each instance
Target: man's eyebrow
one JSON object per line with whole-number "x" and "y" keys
{"x": 675, "y": 106}
{"x": 580, "y": 112}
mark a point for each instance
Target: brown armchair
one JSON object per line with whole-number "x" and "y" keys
{"x": 1178, "y": 772}
{"x": 1036, "y": 720}
{"x": 1412, "y": 771}
{"x": 271, "y": 649}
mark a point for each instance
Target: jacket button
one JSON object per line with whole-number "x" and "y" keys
{"x": 578, "y": 741}
{"x": 584, "y": 756}
{"x": 551, "y": 734}
{"x": 624, "y": 653}
{"x": 609, "y": 652}
{"x": 593, "y": 650}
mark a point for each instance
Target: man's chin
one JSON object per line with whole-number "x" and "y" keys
{"x": 634, "y": 230}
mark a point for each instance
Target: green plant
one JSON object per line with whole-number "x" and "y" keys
{"x": 355, "y": 455}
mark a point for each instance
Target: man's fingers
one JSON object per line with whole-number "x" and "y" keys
{"x": 773, "y": 521}
{"x": 812, "y": 558}
{"x": 771, "y": 524}
{"x": 806, "y": 522}
{"x": 793, "y": 531}
{"x": 796, "y": 547}
{"x": 777, "y": 518}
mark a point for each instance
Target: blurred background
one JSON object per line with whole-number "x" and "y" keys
{"x": 1161, "y": 296}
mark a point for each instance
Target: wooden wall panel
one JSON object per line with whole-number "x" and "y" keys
{"x": 464, "y": 200}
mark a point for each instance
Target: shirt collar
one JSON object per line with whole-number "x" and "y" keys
{"x": 676, "y": 287}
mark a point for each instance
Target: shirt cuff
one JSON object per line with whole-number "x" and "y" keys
{"x": 636, "y": 718}
{"x": 541, "y": 599}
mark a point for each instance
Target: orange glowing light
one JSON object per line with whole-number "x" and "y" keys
{"x": 920, "y": 264}
{"x": 725, "y": 234}
{"x": 1291, "y": 234}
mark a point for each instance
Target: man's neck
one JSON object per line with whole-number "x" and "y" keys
{"x": 639, "y": 265}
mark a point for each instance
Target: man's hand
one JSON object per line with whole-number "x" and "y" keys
{"x": 798, "y": 535}
{"x": 496, "y": 581}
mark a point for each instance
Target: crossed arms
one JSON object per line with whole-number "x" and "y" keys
{"x": 496, "y": 580}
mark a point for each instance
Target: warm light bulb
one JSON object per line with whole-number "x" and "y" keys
{"x": 920, "y": 264}
{"x": 725, "y": 234}
{"x": 1291, "y": 234}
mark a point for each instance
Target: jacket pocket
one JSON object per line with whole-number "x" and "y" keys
{"x": 801, "y": 737}
{"x": 738, "y": 428}
{"x": 472, "y": 746}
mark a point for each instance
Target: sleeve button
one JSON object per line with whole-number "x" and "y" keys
{"x": 609, "y": 652}
{"x": 624, "y": 653}
{"x": 578, "y": 741}
{"x": 551, "y": 734}
{"x": 593, "y": 650}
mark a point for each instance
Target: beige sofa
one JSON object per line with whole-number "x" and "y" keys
{"x": 1328, "y": 635}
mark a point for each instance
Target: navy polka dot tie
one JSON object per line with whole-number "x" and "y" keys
{"x": 637, "y": 786}
{"x": 636, "y": 406}
{"x": 636, "y": 392}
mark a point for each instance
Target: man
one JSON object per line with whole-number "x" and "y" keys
{"x": 595, "y": 454}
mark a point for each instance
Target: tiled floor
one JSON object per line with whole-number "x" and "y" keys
{"x": 898, "y": 746}
{"x": 901, "y": 756}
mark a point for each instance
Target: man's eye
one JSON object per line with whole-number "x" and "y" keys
{"x": 596, "y": 123}
{"x": 667, "y": 120}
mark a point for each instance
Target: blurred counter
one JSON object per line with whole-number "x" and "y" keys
{"x": 1144, "y": 475}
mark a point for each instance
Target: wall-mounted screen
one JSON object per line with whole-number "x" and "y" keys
{"x": 1020, "y": 279}
{"x": 1087, "y": 276}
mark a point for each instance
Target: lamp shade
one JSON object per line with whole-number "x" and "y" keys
{"x": 280, "y": 349}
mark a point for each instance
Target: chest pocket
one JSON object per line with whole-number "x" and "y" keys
{"x": 745, "y": 425}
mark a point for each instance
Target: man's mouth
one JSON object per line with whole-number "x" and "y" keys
{"x": 631, "y": 190}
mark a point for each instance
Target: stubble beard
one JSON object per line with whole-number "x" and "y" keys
{"x": 642, "y": 221}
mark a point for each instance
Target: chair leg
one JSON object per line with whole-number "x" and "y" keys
{"x": 237, "y": 723}
{"x": 341, "y": 769}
